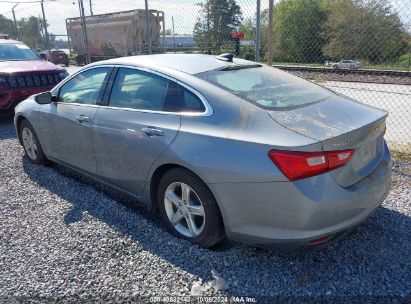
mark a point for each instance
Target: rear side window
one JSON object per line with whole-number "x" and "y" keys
{"x": 180, "y": 99}
{"x": 142, "y": 90}
{"x": 267, "y": 87}
{"x": 192, "y": 103}
{"x": 137, "y": 89}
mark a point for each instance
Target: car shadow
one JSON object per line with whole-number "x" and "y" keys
{"x": 369, "y": 246}
{"x": 7, "y": 130}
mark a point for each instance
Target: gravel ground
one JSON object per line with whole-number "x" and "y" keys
{"x": 65, "y": 239}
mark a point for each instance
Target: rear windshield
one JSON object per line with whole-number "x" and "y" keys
{"x": 58, "y": 52}
{"x": 267, "y": 87}
{"x": 16, "y": 52}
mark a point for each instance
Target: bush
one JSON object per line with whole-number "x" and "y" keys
{"x": 404, "y": 60}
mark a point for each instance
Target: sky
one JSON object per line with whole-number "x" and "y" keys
{"x": 184, "y": 12}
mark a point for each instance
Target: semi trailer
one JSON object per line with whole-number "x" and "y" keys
{"x": 115, "y": 34}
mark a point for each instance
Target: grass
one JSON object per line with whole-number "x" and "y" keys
{"x": 400, "y": 156}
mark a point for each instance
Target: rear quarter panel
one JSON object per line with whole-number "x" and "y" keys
{"x": 232, "y": 144}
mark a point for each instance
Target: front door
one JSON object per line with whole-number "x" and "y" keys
{"x": 70, "y": 117}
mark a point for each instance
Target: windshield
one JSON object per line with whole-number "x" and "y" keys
{"x": 16, "y": 51}
{"x": 267, "y": 87}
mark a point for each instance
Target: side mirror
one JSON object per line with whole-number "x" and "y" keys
{"x": 43, "y": 98}
{"x": 44, "y": 56}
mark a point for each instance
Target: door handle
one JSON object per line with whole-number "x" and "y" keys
{"x": 152, "y": 131}
{"x": 83, "y": 118}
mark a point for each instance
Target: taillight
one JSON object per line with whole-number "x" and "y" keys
{"x": 298, "y": 165}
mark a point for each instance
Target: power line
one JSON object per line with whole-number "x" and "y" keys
{"x": 17, "y": 2}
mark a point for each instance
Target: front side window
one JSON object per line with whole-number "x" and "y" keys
{"x": 84, "y": 88}
{"x": 266, "y": 87}
{"x": 17, "y": 52}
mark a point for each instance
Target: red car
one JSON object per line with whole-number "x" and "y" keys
{"x": 24, "y": 73}
{"x": 57, "y": 57}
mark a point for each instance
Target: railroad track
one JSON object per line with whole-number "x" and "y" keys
{"x": 392, "y": 73}
{"x": 345, "y": 75}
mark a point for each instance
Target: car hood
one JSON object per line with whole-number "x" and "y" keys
{"x": 11, "y": 67}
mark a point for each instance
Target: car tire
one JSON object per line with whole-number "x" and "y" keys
{"x": 196, "y": 216}
{"x": 31, "y": 144}
{"x": 335, "y": 67}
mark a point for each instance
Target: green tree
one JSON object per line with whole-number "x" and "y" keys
{"x": 217, "y": 20}
{"x": 249, "y": 29}
{"x": 364, "y": 29}
{"x": 297, "y": 30}
{"x": 29, "y": 31}
{"x": 7, "y": 27}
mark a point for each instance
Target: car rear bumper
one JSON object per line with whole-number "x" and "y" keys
{"x": 289, "y": 215}
{"x": 9, "y": 98}
{"x": 60, "y": 61}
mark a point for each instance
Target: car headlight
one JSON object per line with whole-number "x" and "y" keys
{"x": 63, "y": 74}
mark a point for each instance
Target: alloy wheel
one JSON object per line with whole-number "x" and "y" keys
{"x": 184, "y": 209}
{"x": 29, "y": 143}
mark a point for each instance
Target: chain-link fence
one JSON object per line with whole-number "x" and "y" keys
{"x": 360, "y": 48}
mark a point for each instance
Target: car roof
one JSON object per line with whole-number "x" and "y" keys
{"x": 187, "y": 63}
{"x": 4, "y": 41}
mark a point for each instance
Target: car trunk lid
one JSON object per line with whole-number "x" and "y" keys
{"x": 341, "y": 124}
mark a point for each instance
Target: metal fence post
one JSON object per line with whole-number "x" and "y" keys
{"x": 91, "y": 8}
{"x": 174, "y": 37}
{"x": 270, "y": 32}
{"x": 68, "y": 38}
{"x": 87, "y": 58}
{"x": 148, "y": 36}
{"x": 257, "y": 32}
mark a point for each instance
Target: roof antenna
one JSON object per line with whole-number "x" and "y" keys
{"x": 225, "y": 57}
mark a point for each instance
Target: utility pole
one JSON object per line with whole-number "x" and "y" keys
{"x": 257, "y": 32}
{"x": 91, "y": 8}
{"x": 270, "y": 31}
{"x": 15, "y": 22}
{"x": 87, "y": 59}
{"x": 45, "y": 26}
{"x": 148, "y": 36}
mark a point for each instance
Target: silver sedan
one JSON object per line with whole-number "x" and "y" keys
{"x": 221, "y": 147}
{"x": 346, "y": 64}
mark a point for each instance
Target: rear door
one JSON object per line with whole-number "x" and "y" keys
{"x": 68, "y": 120}
{"x": 138, "y": 123}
